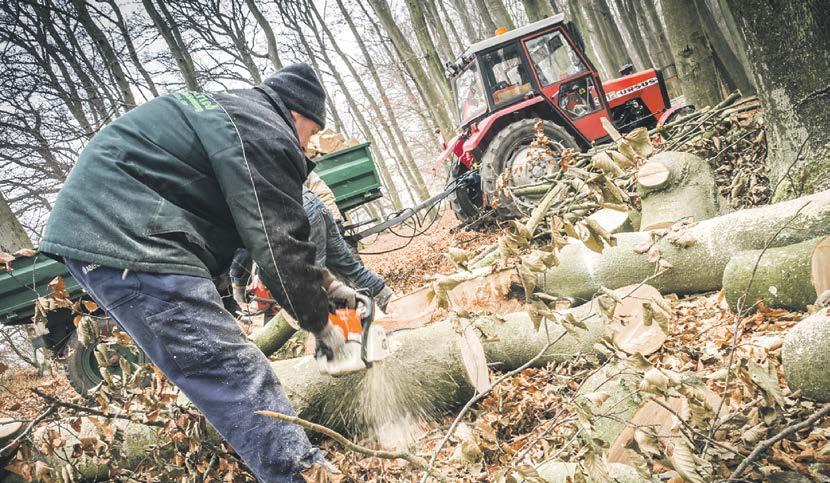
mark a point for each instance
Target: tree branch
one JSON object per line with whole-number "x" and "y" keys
{"x": 345, "y": 442}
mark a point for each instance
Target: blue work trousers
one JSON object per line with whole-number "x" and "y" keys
{"x": 180, "y": 323}
{"x": 332, "y": 250}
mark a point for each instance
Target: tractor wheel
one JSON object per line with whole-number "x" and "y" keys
{"x": 465, "y": 201}
{"x": 82, "y": 367}
{"x": 509, "y": 152}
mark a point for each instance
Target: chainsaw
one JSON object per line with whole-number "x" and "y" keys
{"x": 365, "y": 343}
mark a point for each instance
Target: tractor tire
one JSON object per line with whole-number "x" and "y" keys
{"x": 503, "y": 152}
{"x": 82, "y": 368}
{"x": 465, "y": 201}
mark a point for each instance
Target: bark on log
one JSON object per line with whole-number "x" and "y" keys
{"x": 561, "y": 472}
{"x": 688, "y": 191}
{"x": 782, "y": 279}
{"x": 274, "y": 334}
{"x": 698, "y": 265}
{"x": 806, "y": 358}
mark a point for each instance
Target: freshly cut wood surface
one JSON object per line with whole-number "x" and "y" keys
{"x": 653, "y": 174}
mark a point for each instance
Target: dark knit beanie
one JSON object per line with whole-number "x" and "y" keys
{"x": 301, "y": 91}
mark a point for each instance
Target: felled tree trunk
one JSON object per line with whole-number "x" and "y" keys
{"x": 806, "y": 358}
{"x": 697, "y": 260}
{"x": 274, "y": 334}
{"x": 675, "y": 185}
{"x": 429, "y": 369}
{"x": 783, "y": 277}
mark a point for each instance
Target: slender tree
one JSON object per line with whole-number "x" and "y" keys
{"x": 430, "y": 54}
{"x": 537, "y": 9}
{"x": 178, "y": 49}
{"x": 301, "y": 13}
{"x": 463, "y": 11}
{"x": 733, "y": 69}
{"x": 105, "y": 48}
{"x": 413, "y": 179}
{"x": 124, "y": 30}
{"x": 431, "y": 92}
{"x": 436, "y": 26}
{"x": 692, "y": 53}
{"x": 500, "y": 14}
{"x": 270, "y": 38}
{"x": 398, "y": 140}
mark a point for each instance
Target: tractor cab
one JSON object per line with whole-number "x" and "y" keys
{"x": 539, "y": 71}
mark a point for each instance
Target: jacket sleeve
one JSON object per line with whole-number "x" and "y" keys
{"x": 261, "y": 178}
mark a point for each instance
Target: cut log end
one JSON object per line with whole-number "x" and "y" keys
{"x": 653, "y": 175}
{"x": 820, "y": 266}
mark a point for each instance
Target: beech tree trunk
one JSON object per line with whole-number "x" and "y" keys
{"x": 638, "y": 44}
{"x": 695, "y": 268}
{"x": 789, "y": 55}
{"x": 399, "y": 146}
{"x": 436, "y": 26}
{"x": 735, "y": 70}
{"x": 428, "y": 50}
{"x": 432, "y": 95}
{"x": 692, "y": 53}
{"x": 463, "y": 12}
{"x": 688, "y": 192}
{"x": 781, "y": 277}
{"x": 270, "y": 39}
{"x": 609, "y": 34}
{"x": 487, "y": 22}
{"x": 103, "y": 45}
{"x": 128, "y": 42}
{"x": 178, "y": 49}
{"x": 500, "y": 15}
{"x": 537, "y": 9}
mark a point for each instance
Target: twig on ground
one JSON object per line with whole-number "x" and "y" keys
{"x": 29, "y": 428}
{"x": 767, "y": 443}
{"x": 686, "y": 425}
{"x": 345, "y": 442}
{"x": 93, "y": 411}
{"x": 428, "y": 470}
{"x": 739, "y": 318}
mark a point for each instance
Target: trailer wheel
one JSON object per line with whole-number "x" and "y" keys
{"x": 508, "y": 153}
{"x": 82, "y": 367}
{"x": 465, "y": 201}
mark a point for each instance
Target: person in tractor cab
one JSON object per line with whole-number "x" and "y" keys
{"x": 155, "y": 208}
{"x": 333, "y": 253}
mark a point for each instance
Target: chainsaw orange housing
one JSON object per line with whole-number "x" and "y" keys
{"x": 348, "y": 321}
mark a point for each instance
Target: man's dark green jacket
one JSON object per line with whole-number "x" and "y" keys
{"x": 178, "y": 183}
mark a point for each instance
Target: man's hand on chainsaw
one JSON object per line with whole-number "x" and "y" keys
{"x": 341, "y": 295}
{"x": 331, "y": 342}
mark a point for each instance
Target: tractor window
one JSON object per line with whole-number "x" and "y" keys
{"x": 507, "y": 74}
{"x": 553, "y": 58}
{"x": 469, "y": 94}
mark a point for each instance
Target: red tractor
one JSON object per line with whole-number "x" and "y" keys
{"x": 539, "y": 71}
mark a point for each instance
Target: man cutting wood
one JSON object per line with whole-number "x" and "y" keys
{"x": 154, "y": 209}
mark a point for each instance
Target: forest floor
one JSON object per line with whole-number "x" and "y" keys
{"x": 410, "y": 263}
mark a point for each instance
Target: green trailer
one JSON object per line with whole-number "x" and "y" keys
{"x": 350, "y": 173}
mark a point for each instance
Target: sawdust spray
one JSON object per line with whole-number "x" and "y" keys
{"x": 390, "y": 406}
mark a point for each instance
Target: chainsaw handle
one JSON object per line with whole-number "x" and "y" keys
{"x": 369, "y": 305}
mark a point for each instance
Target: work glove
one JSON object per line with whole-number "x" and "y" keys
{"x": 330, "y": 341}
{"x": 341, "y": 295}
{"x": 383, "y": 297}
